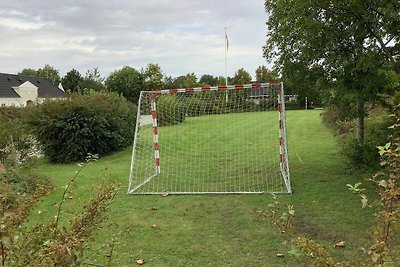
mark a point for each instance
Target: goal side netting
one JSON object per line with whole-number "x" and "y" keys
{"x": 211, "y": 140}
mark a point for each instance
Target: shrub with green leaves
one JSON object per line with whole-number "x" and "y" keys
{"x": 95, "y": 123}
{"x": 16, "y": 143}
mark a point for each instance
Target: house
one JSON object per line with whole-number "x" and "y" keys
{"x": 20, "y": 91}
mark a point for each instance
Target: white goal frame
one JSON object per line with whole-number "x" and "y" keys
{"x": 134, "y": 185}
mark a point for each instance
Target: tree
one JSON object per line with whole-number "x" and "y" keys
{"x": 49, "y": 73}
{"x": 72, "y": 81}
{"x": 303, "y": 82}
{"x": 221, "y": 80}
{"x": 127, "y": 81}
{"x": 153, "y": 77}
{"x": 242, "y": 77}
{"x": 188, "y": 80}
{"x": 94, "y": 75}
{"x": 209, "y": 80}
{"x": 263, "y": 74}
{"x": 93, "y": 81}
{"x": 28, "y": 72}
{"x": 355, "y": 43}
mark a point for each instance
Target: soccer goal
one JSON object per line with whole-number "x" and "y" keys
{"x": 211, "y": 140}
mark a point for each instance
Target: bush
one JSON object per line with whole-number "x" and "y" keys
{"x": 366, "y": 155}
{"x": 16, "y": 143}
{"x": 16, "y": 183}
{"x": 358, "y": 155}
{"x": 96, "y": 123}
{"x": 23, "y": 181}
{"x": 361, "y": 155}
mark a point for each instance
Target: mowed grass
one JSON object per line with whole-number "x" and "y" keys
{"x": 221, "y": 230}
{"x": 215, "y": 153}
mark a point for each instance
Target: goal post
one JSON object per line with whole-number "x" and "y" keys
{"x": 211, "y": 140}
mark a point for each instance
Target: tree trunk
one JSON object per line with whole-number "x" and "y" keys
{"x": 360, "y": 119}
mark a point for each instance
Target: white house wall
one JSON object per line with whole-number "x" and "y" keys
{"x": 10, "y": 102}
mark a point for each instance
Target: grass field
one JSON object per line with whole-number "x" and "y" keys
{"x": 215, "y": 153}
{"x": 227, "y": 230}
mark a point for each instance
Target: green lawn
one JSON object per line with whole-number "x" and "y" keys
{"x": 222, "y": 230}
{"x": 215, "y": 153}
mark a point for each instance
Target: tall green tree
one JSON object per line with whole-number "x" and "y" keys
{"x": 354, "y": 42}
{"x": 94, "y": 75}
{"x": 241, "y": 77}
{"x": 263, "y": 74}
{"x": 188, "y": 80}
{"x": 72, "y": 81}
{"x": 209, "y": 80}
{"x": 50, "y": 73}
{"x": 93, "y": 81}
{"x": 153, "y": 77}
{"x": 127, "y": 82}
{"x": 221, "y": 80}
{"x": 28, "y": 72}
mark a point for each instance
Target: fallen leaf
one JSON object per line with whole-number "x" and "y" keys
{"x": 165, "y": 194}
{"x": 39, "y": 212}
{"x": 280, "y": 255}
{"x": 154, "y": 226}
{"x": 340, "y": 244}
{"x": 140, "y": 262}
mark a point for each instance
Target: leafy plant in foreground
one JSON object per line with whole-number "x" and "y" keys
{"x": 52, "y": 244}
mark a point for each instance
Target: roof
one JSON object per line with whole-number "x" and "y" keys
{"x": 45, "y": 87}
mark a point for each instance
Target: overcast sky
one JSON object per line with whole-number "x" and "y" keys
{"x": 182, "y": 36}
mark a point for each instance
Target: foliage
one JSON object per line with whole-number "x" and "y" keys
{"x": 221, "y": 80}
{"x": 93, "y": 81}
{"x": 281, "y": 217}
{"x": 28, "y": 72}
{"x": 51, "y": 244}
{"x": 20, "y": 190}
{"x": 241, "y": 77}
{"x": 359, "y": 155}
{"x": 208, "y": 80}
{"x": 315, "y": 252}
{"x": 16, "y": 143}
{"x": 263, "y": 74}
{"x": 184, "y": 81}
{"x": 94, "y": 75}
{"x": 153, "y": 77}
{"x": 352, "y": 45}
{"x": 304, "y": 82}
{"x": 127, "y": 82}
{"x": 50, "y": 73}
{"x": 17, "y": 184}
{"x": 72, "y": 81}
{"x": 387, "y": 228}
{"x": 96, "y": 123}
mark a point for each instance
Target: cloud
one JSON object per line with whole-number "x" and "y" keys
{"x": 182, "y": 36}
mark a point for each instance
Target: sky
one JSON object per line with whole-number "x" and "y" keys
{"x": 182, "y": 36}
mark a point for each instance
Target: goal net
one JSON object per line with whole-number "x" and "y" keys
{"x": 211, "y": 140}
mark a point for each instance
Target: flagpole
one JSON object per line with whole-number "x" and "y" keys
{"x": 226, "y": 65}
{"x": 226, "y": 58}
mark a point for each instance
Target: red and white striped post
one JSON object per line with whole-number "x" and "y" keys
{"x": 155, "y": 133}
{"x": 283, "y": 152}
